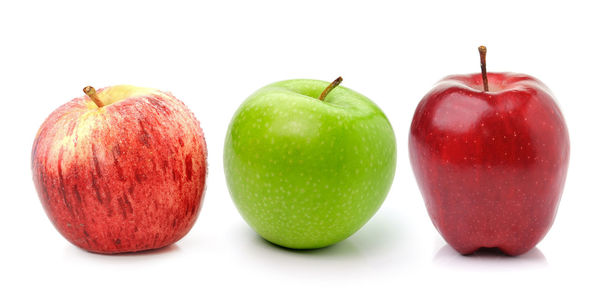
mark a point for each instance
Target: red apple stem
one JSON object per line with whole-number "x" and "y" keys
{"x": 91, "y": 92}
{"x": 330, "y": 87}
{"x": 482, "y": 52}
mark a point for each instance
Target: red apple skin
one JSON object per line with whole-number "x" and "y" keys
{"x": 126, "y": 177}
{"x": 491, "y": 166}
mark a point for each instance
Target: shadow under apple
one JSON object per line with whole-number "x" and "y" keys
{"x": 375, "y": 237}
{"x": 488, "y": 258}
{"x": 343, "y": 249}
{"x": 141, "y": 256}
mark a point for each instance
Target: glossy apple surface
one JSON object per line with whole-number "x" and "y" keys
{"x": 491, "y": 165}
{"x": 306, "y": 173}
{"x": 125, "y": 177}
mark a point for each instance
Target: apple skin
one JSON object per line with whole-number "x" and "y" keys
{"x": 306, "y": 173}
{"x": 491, "y": 166}
{"x": 126, "y": 177}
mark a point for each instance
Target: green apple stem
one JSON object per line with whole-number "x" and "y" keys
{"x": 330, "y": 87}
{"x": 91, "y": 92}
{"x": 482, "y": 52}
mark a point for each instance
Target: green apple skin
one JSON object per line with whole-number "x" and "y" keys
{"x": 306, "y": 173}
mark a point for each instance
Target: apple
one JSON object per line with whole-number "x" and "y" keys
{"x": 308, "y": 164}
{"x": 490, "y": 153}
{"x": 121, "y": 170}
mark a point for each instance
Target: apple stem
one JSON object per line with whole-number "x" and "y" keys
{"x": 91, "y": 92}
{"x": 482, "y": 52}
{"x": 330, "y": 87}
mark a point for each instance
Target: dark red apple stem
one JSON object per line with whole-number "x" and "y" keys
{"x": 482, "y": 52}
{"x": 91, "y": 92}
{"x": 330, "y": 87}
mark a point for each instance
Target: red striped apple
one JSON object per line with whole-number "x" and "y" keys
{"x": 490, "y": 154}
{"x": 121, "y": 170}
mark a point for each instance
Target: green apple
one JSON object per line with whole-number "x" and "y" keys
{"x": 308, "y": 164}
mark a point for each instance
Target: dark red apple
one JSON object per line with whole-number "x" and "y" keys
{"x": 122, "y": 170}
{"x": 491, "y": 164}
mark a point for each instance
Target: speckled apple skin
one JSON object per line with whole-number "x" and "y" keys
{"x": 491, "y": 165}
{"x": 306, "y": 173}
{"x": 126, "y": 177}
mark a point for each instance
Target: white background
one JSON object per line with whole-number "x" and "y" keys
{"x": 212, "y": 56}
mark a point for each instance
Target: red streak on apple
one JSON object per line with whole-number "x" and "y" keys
{"x": 491, "y": 165}
{"x": 125, "y": 177}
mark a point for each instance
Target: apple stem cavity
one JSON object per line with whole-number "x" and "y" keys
{"x": 482, "y": 52}
{"x": 91, "y": 92}
{"x": 330, "y": 87}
